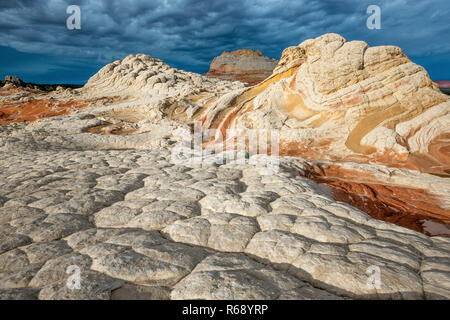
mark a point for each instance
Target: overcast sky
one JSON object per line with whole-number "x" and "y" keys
{"x": 36, "y": 45}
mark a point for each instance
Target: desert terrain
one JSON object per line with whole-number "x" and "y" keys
{"x": 110, "y": 178}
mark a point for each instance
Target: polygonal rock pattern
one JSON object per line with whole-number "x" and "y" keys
{"x": 138, "y": 226}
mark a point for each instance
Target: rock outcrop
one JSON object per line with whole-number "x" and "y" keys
{"x": 337, "y": 100}
{"x": 100, "y": 180}
{"x": 243, "y": 65}
{"x": 13, "y": 80}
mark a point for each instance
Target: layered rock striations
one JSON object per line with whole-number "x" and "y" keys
{"x": 243, "y": 65}
{"x": 362, "y": 103}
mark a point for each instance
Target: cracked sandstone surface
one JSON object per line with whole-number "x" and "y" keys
{"x": 139, "y": 226}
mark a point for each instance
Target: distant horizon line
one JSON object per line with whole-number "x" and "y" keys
{"x": 82, "y": 84}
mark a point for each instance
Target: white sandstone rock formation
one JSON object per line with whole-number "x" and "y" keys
{"x": 97, "y": 187}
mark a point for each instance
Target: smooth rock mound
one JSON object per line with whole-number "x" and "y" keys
{"x": 142, "y": 73}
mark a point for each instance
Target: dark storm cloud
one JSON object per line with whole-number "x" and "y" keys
{"x": 189, "y": 33}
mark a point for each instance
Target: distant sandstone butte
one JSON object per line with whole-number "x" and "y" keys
{"x": 243, "y": 65}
